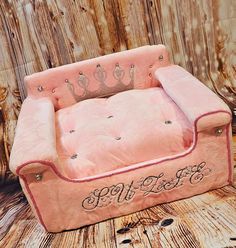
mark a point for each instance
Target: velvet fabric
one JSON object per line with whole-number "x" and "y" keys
{"x": 98, "y": 77}
{"x": 116, "y": 134}
{"x": 130, "y": 127}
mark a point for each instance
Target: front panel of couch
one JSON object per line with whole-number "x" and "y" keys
{"x": 98, "y": 77}
{"x": 63, "y": 204}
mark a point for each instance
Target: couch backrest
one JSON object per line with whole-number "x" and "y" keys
{"x": 98, "y": 77}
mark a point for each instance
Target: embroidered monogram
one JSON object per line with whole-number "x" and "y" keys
{"x": 155, "y": 184}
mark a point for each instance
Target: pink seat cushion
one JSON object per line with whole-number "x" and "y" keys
{"x": 103, "y": 134}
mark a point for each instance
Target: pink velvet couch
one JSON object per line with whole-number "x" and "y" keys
{"x": 116, "y": 134}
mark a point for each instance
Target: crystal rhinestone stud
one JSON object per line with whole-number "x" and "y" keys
{"x": 40, "y": 88}
{"x": 218, "y": 131}
{"x": 73, "y": 156}
{"x": 38, "y": 177}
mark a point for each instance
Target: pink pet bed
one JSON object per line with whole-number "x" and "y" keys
{"x": 117, "y": 134}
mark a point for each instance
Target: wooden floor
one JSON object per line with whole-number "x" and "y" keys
{"x": 207, "y": 220}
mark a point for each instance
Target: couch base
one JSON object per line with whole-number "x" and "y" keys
{"x": 61, "y": 203}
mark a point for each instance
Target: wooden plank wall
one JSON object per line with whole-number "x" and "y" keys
{"x": 40, "y": 34}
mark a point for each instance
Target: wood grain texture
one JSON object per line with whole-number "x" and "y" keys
{"x": 36, "y": 35}
{"x": 203, "y": 221}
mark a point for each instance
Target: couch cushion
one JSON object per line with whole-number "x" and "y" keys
{"x": 103, "y": 134}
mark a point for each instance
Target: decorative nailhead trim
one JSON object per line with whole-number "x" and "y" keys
{"x": 118, "y": 138}
{"x": 66, "y": 80}
{"x": 40, "y": 88}
{"x": 74, "y": 156}
{"x": 38, "y": 177}
{"x": 168, "y": 122}
{"x": 218, "y": 131}
{"x": 161, "y": 57}
{"x": 53, "y": 90}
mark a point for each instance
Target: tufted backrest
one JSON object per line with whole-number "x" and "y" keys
{"x": 98, "y": 77}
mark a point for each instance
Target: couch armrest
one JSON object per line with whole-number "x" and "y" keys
{"x": 35, "y": 138}
{"x": 202, "y": 107}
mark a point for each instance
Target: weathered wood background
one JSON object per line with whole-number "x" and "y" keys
{"x": 204, "y": 221}
{"x": 39, "y": 34}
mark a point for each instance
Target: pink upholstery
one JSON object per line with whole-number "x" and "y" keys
{"x": 198, "y": 99}
{"x": 35, "y": 137}
{"x": 98, "y": 77}
{"x": 119, "y": 131}
{"x": 159, "y": 137}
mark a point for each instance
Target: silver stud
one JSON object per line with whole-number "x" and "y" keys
{"x": 118, "y": 138}
{"x": 40, "y": 88}
{"x": 168, "y": 122}
{"x": 218, "y": 131}
{"x": 38, "y": 177}
{"x": 160, "y": 57}
{"x": 53, "y": 90}
{"x": 66, "y": 80}
{"x": 80, "y": 73}
{"x": 73, "y": 156}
